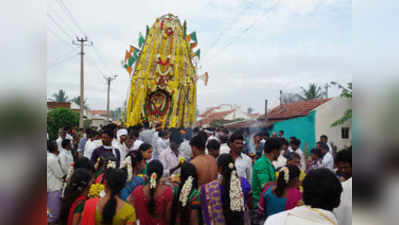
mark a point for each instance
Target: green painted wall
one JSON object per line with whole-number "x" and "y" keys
{"x": 302, "y": 127}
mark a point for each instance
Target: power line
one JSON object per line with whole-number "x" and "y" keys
{"x": 244, "y": 31}
{"x": 68, "y": 57}
{"x": 68, "y": 12}
{"x": 59, "y": 26}
{"x": 69, "y": 44}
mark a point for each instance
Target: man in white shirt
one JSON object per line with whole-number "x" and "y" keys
{"x": 65, "y": 156}
{"x": 344, "y": 210}
{"x": 328, "y": 159}
{"x": 170, "y": 156}
{"x": 136, "y": 141}
{"x": 54, "y": 181}
{"x": 295, "y": 148}
{"x": 61, "y": 136}
{"x": 161, "y": 143}
{"x": 324, "y": 139}
{"x": 282, "y": 160}
{"x": 242, "y": 162}
{"x": 121, "y": 136}
{"x": 92, "y": 143}
{"x": 322, "y": 193}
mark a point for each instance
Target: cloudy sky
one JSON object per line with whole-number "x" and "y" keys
{"x": 251, "y": 49}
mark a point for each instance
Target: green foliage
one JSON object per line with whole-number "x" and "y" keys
{"x": 313, "y": 92}
{"x": 61, "y": 117}
{"x": 346, "y": 93}
{"x": 76, "y": 100}
{"x": 60, "y": 96}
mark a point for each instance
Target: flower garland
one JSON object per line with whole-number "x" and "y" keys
{"x": 68, "y": 177}
{"x": 163, "y": 73}
{"x": 153, "y": 181}
{"x": 186, "y": 189}
{"x": 95, "y": 190}
{"x": 127, "y": 163}
{"x": 236, "y": 195}
{"x": 181, "y": 160}
{"x": 286, "y": 174}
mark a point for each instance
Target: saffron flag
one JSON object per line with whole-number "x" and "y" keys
{"x": 206, "y": 78}
{"x": 129, "y": 69}
{"x": 127, "y": 55}
{"x": 193, "y": 45}
{"x": 141, "y": 41}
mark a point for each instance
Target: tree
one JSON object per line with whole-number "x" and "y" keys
{"x": 290, "y": 98}
{"x": 61, "y": 117}
{"x": 313, "y": 92}
{"x": 60, "y": 96}
{"x": 76, "y": 100}
{"x": 346, "y": 93}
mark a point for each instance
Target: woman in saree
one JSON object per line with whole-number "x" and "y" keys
{"x": 226, "y": 201}
{"x": 110, "y": 209}
{"x": 134, "y": 163}
{"x": 75, "y": 196}
{"x": 186, "y": 209}
{"x": 284, "y": 195}
{"x": 153, "y": 201}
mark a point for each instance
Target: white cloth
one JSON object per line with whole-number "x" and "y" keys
{"x": 121, "y": 132}
{"x": 147, "y": 136}
{"x": 54, "y": 173}
{"x": 59, "y": 143}
{"x": 328, "y": 161}
{"x": 69, "y": 137}
{"x": 160, "y": 145}
{"x": 303, "y": 160}
{"x": 169, "y": 160}
{"x": 224, "y": 148}
{"x": 122, "y": 149}
{"x": 344, "y": 210}
{"x": 66, "y": 159}
{"x": 244, "y": 167}
{"x": 281, "y": 161}
{"x": 185, "y": 150}
{"x": 136, "y": 144}
{"x": 91, "y": 145}
{"x": 302, "y": 215}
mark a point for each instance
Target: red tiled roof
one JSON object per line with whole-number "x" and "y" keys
{"x": 249, "y": 123}
{"x": 293, "y": 110}
{"x": 205, "y": 114}
{"x": 213, "y": 116}
{"x": 98, "y": 112}
{"x": 56, "y": 105}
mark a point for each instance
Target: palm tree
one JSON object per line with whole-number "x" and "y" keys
{"x": 313, "y": 92}
{"x": 76, "y": 100}
{"x": 60, "y": 96}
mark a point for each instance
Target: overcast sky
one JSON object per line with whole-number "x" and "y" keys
{"x": 250, "y": 48}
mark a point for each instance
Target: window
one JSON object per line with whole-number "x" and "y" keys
{"x": 345, "y": 132}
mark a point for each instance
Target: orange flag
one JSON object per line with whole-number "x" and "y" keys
{"x": 188, "y": 38}
{"x": 127, "y": 56}
{"x": 131, "y": 49}
{"x": 206, "y": 78}
{"x": 129, "y": 70}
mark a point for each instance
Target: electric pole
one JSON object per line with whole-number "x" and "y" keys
{"x": 81, "y": 42}
{"x": 109, "y": 80}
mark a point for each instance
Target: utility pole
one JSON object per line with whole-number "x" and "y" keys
{"x": 109, "y": 80}
{"x": 81, "y": 42}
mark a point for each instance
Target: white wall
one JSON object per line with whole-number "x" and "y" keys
{"x": 328, "y": 113}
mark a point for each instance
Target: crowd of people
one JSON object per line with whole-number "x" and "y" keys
{"x": 154, "y": 176}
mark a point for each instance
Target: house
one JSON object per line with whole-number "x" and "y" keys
{"x": 98, "y": 118}
{"x": 310, "y": 119}
{"x": 223, "y": 112}
{"x": 307, "y": 121}
{"x": 56, "y": 105}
